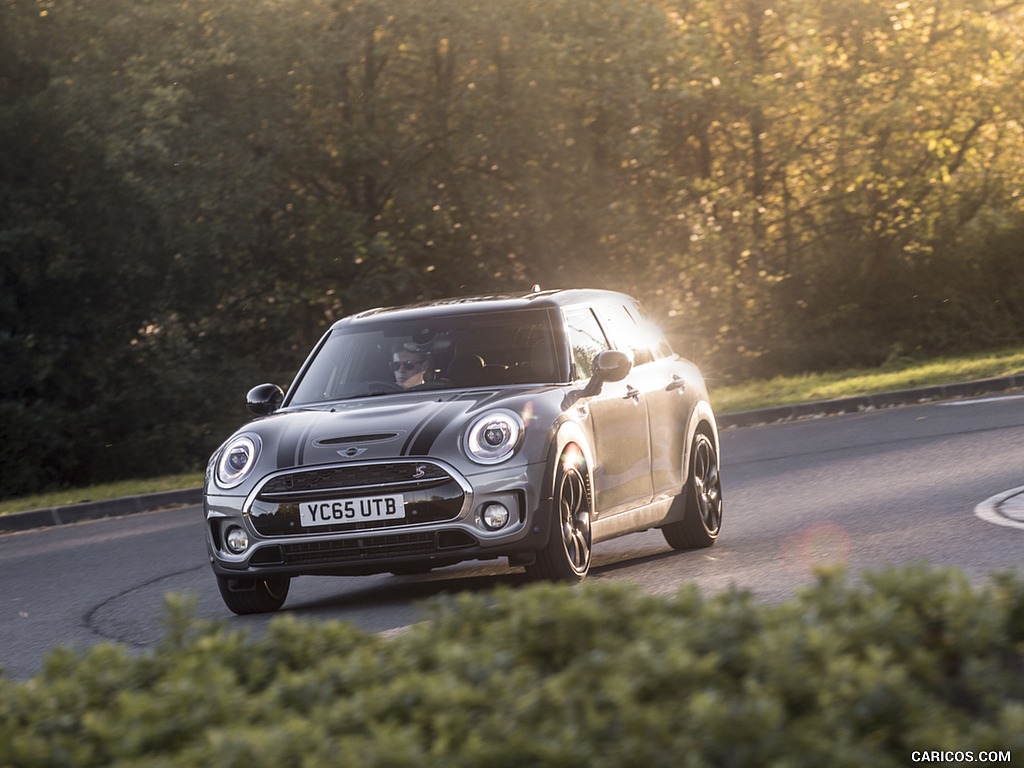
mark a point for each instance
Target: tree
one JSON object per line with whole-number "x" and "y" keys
{"x": 73, "y": 292}
{"x": 795, "y": 186}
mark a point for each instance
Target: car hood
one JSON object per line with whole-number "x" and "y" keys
{"x": 392, "y": 427}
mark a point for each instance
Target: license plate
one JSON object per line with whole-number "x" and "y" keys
{"x": 314, "y": 514}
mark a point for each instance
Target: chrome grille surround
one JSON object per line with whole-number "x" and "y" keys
{"x": 433, "y": 491}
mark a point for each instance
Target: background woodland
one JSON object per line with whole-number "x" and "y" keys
{"x": 191, "y": 190}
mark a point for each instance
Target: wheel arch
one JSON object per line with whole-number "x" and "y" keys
{"x": 567, "y": 434}
{"x": 568, "y": 549}
{"x": 702, "y": 420}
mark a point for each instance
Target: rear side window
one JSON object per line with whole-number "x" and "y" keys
{"x": 586, "y": 339}
{"x": 631, "y": 332}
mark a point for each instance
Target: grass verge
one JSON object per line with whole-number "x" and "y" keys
{"x": 787, "y": 390}
{"x": 102, "y": 492}
{"x": 783, "y": 390}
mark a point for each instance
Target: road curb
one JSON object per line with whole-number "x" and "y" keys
{"x": 95, "y": 510}
{"x": 870, "y": 402}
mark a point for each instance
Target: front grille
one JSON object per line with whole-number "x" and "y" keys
{"x": 431, "y": 496}
{"x": 352, "y": 477}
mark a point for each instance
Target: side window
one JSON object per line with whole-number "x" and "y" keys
{"x": 626, "y": 335}
{"x": 650, "y": 333}
{"x": 586, "y": 338}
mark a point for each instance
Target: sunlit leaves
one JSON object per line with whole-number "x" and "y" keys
{"x": 794, "y": 184}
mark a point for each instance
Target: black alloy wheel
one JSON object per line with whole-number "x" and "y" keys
{"x": 702, "y": 519}
{"x": 568, "y": 552}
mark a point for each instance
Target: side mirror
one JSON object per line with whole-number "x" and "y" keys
{"x": 264, "y": 399}
{"x": 612, "y": 365}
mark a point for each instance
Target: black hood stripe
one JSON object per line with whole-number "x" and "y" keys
{"x": 291, "y": 449}
{"x": 422, "y": 439}
{"x": 287, "y": 446}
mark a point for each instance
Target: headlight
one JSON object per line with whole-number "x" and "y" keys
{"x": 237, "y": 460}
{"x": 493, "y": 438}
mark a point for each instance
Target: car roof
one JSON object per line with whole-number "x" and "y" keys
{"x": 498, "y": 302}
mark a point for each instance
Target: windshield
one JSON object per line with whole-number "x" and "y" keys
{"x": 468, "y": 350}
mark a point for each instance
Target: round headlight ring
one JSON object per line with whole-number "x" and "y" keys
{"x": 237, "y": 460}
{"x": 494, "y": 437}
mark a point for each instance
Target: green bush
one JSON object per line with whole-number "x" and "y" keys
{"x": 843, "y": 674}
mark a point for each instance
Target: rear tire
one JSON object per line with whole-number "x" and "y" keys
{"x": 245, "y": 595}
{"x": 567, "y": 556}
{"x": 702, "y": 497}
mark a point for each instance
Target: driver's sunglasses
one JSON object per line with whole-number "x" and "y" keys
{"x": 406, "y": 365}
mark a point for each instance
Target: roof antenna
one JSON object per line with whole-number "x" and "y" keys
{"x": 535, "y": 288}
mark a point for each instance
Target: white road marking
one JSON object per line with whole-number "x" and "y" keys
{"x": 980, "y": 400}
{"x": 1006, "y": 508}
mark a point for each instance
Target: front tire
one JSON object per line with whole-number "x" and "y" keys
{"x": 246, "y": 595}
{"x": 702, "y": 518}
{"x": 567, "y": 556}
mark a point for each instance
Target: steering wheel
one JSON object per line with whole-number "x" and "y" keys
{"x": 382, "y": 387}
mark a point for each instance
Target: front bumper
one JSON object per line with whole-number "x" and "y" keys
{"x": 443, "y": 525}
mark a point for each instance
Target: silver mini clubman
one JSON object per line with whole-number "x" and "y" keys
{"x": 527, "y": 427}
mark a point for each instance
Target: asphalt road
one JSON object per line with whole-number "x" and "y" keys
{"x": 866, "y": 490}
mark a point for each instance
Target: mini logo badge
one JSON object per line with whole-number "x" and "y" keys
{"x": 351, "y": 453}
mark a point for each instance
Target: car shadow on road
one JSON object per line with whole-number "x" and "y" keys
{"x": 391, "y": 592}
{"x": 358, "y": 593}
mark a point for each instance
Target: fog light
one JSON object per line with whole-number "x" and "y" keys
{"x": 495, "y": 516}
{"x": 237, "y": 539}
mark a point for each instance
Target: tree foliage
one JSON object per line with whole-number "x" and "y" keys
{"x": 191, "y": 190}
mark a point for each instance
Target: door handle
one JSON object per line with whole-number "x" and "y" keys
{"x": 678, "y": 382}
{"x": 631, "y": 393}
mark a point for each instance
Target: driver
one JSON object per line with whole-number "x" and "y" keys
{"x": 410, "y": 368}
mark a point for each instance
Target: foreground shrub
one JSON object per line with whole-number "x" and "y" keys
{"x": 843, "y": 674}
